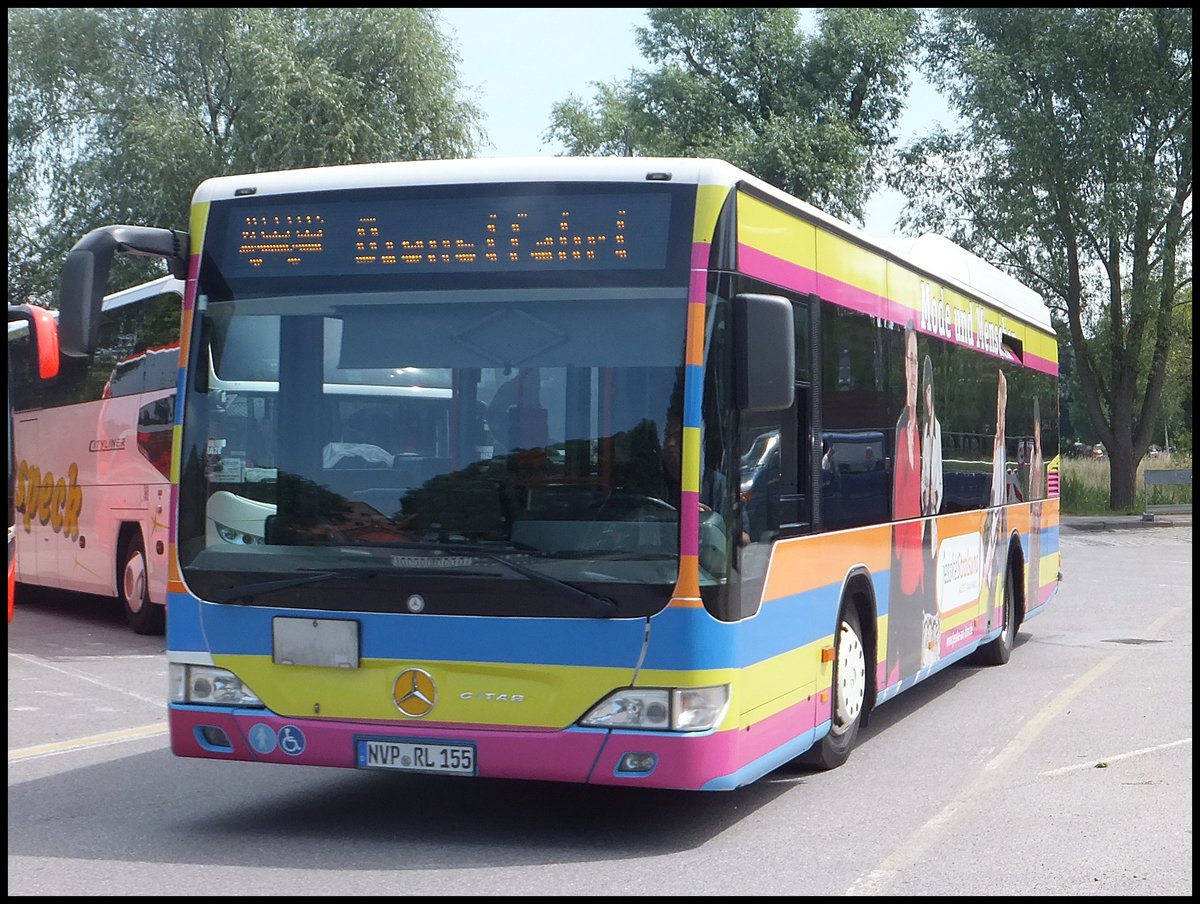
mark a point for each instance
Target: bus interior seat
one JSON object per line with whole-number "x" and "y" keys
{"x": 528, "y": 427}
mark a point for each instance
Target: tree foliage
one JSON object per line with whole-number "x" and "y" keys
{"x": 1073, "y": 171}
{"x": 813, "y": 115}
{"x": 1176, "y": 418}
{"x": 117, "y": 114}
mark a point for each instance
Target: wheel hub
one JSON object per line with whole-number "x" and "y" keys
{"x": 135, "y": 583}
{"x": 851, "y": 680}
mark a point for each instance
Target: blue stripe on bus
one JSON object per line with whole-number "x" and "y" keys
{"x": 681, "y": 639}
{"x": 693, "y": 386}
{"x": 184, "y": 633}
{"x": 180, "y": 395}
{"x": 246, "y": 631}
{"x": 1049, "y": 538}
{"x": 691, "y": 639}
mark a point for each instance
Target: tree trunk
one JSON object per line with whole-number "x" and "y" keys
{"x": 1122, "y": 480}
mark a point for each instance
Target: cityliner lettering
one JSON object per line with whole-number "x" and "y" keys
{"x": 56, "y": 501}
{"x": 107, "y": 445}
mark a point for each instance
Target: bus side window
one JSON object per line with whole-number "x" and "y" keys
{"x": 761, "y": 473}
{"x": 855, "y": 420}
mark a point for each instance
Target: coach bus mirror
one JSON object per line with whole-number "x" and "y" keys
{"x": 764, "y": 352}
{"x": 85, "y": 277}
{"x": 43, "y": 336}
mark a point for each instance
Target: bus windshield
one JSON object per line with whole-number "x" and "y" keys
{"x": 498, "y": 435}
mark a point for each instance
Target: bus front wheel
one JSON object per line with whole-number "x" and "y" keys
{"x": 133, "y": 585}
{"x": 849, "y": 695}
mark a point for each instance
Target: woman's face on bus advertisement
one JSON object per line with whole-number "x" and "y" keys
{"x": 910, "y": 368}
{"x": 1001, "y": 403}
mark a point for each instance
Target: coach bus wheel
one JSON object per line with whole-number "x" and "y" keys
{"x": 998, "y": 651}
{"x": 134, "y": 587}
{"x": 849, "y": 695}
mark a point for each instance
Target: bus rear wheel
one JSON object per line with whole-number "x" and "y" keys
{"x": 849, "y": 695}
{"x": 133, "y": 586}
{"x": 998, "y": 651}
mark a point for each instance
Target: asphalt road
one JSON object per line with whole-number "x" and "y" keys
{"x": 1067, "y": 771}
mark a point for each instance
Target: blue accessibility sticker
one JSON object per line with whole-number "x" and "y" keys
{"x": 291, "y": 740}
{"x": 262, "y": 738}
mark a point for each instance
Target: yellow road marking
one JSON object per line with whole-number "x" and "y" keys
{"x": 100, "y": 740}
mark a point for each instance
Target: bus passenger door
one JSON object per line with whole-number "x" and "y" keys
{"x": 797, "y": 499}
{"x": 34, "y": 540}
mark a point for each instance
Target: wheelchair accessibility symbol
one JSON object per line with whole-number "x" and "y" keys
{"x": 291, "y": 740}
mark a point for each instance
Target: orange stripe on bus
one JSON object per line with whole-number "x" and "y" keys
{"x": 809, "y": 562}
{"x": 818, "y": 561}
{"x": 687, "y": 588}
{"x": 695, "y": 333}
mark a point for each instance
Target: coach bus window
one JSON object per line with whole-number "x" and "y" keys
{"x": 854, "y": 488}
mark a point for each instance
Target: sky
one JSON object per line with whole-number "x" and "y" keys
{"x": 516, "y": 63}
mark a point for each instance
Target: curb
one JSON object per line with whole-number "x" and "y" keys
{"x": 1120, "y": 522}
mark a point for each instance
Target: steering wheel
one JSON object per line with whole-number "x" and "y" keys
{"x": 622, "y": 506}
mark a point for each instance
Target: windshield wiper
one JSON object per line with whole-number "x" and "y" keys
{"x": 242, "y": 593}
{"x": 601, "y": 605}
{"x": 615, "y": 555}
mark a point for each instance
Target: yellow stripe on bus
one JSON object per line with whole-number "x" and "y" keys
{"x": 776, "y": 232}
{"x": 709, "y": 201}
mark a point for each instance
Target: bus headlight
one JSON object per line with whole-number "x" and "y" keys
{"x": 698, "y": 708}
{"x": 233, "y": 535}
{"x": 206, "y": 685}
{"x": 661, "y": 709}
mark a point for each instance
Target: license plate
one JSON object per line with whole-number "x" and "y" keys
{"x": 328, "y": 642}
{"x": 416, "y": 756}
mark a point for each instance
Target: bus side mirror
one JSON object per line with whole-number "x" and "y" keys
{"x": 43, "y": 334}
{"x": 85, "y": 277}
{"x": 764, "y": 352}
{"x": 79, "y": 302}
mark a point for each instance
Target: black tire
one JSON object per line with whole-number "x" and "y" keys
{"x": 998, "y": 651}
{"x": 849, "y": 704}
{"x": 133, "y": 587}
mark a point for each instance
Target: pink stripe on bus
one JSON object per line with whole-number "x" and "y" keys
{"x": 770, "y": 268}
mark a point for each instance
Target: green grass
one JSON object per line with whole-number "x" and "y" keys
{"x": 1084, "y": 486}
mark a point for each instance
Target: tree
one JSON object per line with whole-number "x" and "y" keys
{"x": 1175, "y": 420}
{"x": 117, "y": 114}
{"x": 813, "y": 115}
{"x": 1073, "y": 172}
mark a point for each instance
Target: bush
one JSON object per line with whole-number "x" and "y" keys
{"x": 1083, "y": 485}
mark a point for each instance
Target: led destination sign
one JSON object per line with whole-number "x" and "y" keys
{"x": 279, "y": 236}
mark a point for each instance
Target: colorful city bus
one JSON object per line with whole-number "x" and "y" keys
{"x": 92, "y": 454}
{"x": 622, "y": 471}
{"x": 37, "y": 328}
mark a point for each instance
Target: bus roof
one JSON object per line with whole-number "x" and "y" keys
{"x": 115, "y": 300}
{"x": 143, "y": 290}
{"x": 933, "y": 255}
